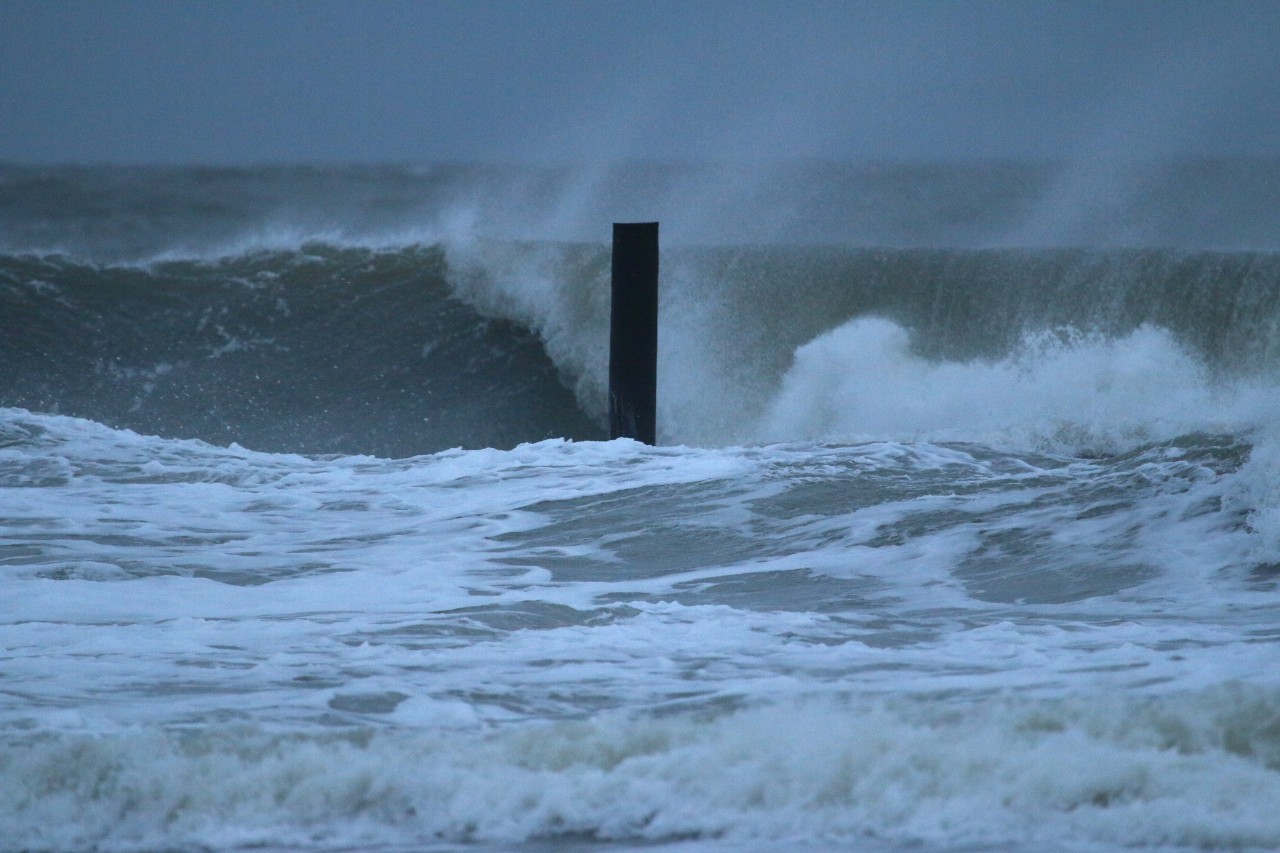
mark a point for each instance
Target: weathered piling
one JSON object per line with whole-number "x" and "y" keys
{"x": 633, "y": 333}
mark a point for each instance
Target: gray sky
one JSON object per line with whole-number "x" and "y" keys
{"x": 196, "y": 81}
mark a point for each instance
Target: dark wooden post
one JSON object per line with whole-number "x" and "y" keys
{"x": 633, "y": 333}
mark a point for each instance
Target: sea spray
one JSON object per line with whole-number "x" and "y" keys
{"x": 1062, "y": 391}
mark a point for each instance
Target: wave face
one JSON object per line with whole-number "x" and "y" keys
{"x": 400, "y": 311}
{"x": 402, "y": 350}
{"x": 318, "y": 349}
{"x": 760, "y": 343}
{"x": 963, "y": 530}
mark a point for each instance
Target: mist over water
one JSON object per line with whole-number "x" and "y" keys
{"x": 138, "y": 213}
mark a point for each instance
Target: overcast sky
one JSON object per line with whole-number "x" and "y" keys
{"x": 183, "y": 81}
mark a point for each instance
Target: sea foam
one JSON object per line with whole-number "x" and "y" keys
{"x": 1195, "y": 770}
{"x": 1063, "y": 391}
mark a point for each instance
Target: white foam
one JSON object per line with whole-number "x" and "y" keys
{"x": 1196, "y": 770}
{"x": 509, "y": 645}
{"x": 1073, "y": 393}
{"x": 373, "y": 568}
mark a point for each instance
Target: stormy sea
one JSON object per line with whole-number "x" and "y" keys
{"x": 962, "y": 531}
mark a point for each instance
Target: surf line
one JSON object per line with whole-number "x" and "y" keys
{"x": 633, "y": 333}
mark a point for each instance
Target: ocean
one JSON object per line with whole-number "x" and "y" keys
{"x": 962, "y": 532}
